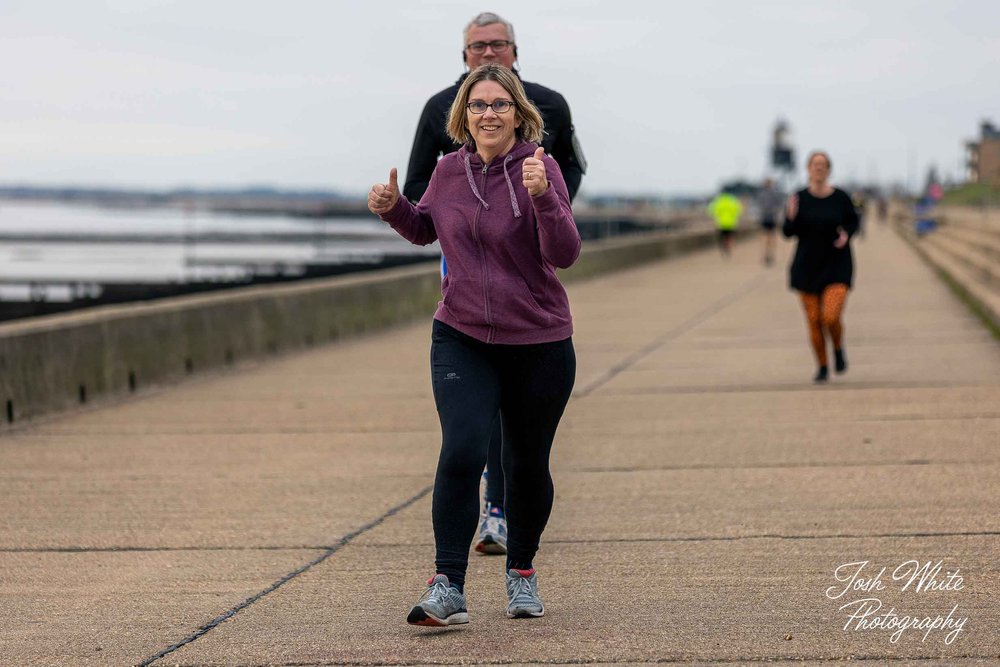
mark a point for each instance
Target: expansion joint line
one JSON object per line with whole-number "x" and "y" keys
{"x": 698, "y": 318}
{"x": 344, "y": 541}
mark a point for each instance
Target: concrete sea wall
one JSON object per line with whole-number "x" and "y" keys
{"x": 59, "y": 362}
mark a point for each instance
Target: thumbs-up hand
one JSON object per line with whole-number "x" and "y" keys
{"x": 383, "y": 197}
{"x": 533, "y": 173}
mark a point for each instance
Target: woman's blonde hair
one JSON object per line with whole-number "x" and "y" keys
{"x": 531, "y": 120}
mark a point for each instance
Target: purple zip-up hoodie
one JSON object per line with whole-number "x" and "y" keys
{"x": 503, "y": 246}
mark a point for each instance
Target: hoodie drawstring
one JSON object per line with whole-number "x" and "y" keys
{"x": 510, "y": 187}
{"x": 472, "y": 183}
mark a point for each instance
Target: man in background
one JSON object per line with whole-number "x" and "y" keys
{"x": 490, "y": 39}
{"x": 770, "y": 202}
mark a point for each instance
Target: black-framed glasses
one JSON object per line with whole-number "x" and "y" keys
{"x": 499, "y": 106}
{"x": 498, "y": 46}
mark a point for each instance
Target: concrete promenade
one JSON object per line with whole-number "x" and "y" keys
{"x": 706, "y": 493}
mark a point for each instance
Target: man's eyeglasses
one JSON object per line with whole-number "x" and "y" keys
{"x": 498, "y": 46}
{"x": 498, "y": 106}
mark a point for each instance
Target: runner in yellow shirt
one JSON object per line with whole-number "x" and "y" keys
{"x": 726, "y": 209}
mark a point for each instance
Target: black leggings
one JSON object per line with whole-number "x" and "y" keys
{"x": 494, "y": 466}
{"x": 530, "y": 386}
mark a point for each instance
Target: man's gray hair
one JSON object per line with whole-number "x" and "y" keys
{"x": 487, "y": 18}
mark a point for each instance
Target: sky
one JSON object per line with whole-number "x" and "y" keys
{"x": 667, "y": 97}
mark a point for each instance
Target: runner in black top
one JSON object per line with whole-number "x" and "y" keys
{"x": 823, "y": 219}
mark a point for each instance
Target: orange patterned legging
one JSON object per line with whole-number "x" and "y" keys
{"x": 823, "y": 312}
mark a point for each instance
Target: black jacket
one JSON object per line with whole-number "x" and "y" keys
{"x": 432, "y": 141}
{"x": 817, "y": 262}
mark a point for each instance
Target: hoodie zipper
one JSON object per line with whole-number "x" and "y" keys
{"x": 482, "y": 257}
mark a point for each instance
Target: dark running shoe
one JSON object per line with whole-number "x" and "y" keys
{"x": 840, "y": 361}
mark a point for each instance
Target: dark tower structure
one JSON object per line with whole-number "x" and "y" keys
{"x": 782, "y": 153}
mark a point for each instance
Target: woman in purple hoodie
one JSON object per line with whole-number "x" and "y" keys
{"x": 501, "y": 337}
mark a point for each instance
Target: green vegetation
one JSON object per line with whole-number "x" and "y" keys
{"x": 972, "y": 194}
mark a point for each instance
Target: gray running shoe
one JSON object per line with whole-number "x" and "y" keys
{"x": 440, "y": 605}
{"x": 522, "y": 594}
{"x": 492, "y": 532}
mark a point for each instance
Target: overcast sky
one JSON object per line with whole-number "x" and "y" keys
{"x": 667, "y": 97}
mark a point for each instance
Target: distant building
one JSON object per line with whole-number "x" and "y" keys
{"x": 984, "y": 156}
